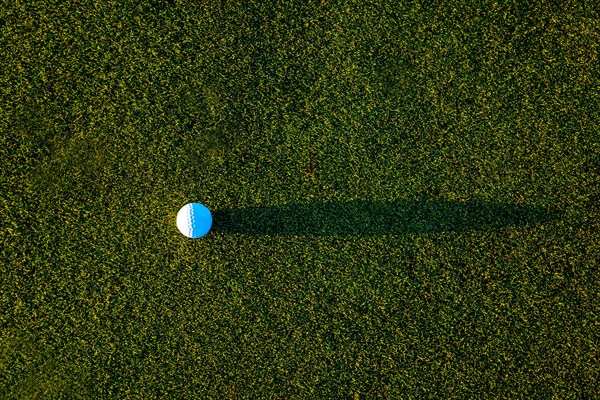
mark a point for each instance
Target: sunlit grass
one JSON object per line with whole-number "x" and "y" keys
{"x": 405, "y": 200}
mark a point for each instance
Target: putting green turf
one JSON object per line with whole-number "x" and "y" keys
{"x": 406, "y": 199}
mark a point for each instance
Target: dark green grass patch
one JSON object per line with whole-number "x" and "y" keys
{"x": 405, "y": 200}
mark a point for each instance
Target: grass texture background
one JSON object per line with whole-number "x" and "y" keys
{"x": 406, "y": 199}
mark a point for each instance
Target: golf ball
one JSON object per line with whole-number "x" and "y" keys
{"x": 194, "y": 220}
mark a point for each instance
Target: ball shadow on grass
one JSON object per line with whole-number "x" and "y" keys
{"x": 378, "y": 218}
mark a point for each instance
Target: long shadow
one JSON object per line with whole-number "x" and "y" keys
{"x": 378, "y": 218}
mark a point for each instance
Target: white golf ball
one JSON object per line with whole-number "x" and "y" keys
{"x": 194, "y": 220}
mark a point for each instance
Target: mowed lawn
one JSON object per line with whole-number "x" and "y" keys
{"x": 405, "y": 199}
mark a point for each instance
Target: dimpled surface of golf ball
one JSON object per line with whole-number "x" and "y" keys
{"x": 194, "y": 220}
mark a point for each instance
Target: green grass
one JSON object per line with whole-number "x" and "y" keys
{"x": 406, "y": 199}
